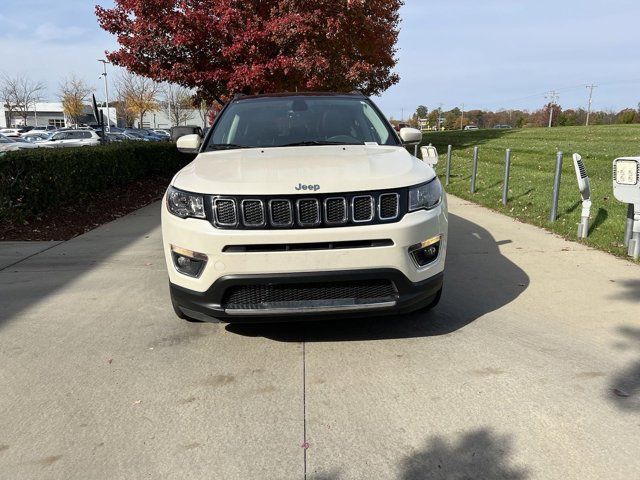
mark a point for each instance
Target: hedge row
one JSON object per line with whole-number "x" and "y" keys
{"x": 33, "y": 181}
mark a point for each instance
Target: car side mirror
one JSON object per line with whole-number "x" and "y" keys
{"x": 410, "y": 136}
{"x": 189, "y": 143}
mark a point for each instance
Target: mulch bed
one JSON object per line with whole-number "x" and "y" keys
{"x": 68, "y": 221}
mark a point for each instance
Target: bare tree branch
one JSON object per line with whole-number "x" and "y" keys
{"x": 177, "y": 103}
{"x": 137, "y": 96}
{"x": 20, "y": 94}
{"x": 73, "y": 94}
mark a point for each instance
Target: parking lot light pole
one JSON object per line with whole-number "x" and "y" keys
{"x": 106, "y": 92}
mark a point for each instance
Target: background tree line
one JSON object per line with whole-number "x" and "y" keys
{"x": 457, "y": 119}
{"x": 134, "y": 97}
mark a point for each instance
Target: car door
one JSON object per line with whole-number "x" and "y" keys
{"x": 74, "y": 139}
{"x": 58, "y": 139}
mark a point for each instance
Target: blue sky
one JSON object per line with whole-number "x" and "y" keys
{"x": 488, "y": 54}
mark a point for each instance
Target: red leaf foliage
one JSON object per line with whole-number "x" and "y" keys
{"x": 221, "y": 47}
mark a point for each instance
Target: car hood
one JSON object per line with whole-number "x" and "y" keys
{"x": 287, "y": 170}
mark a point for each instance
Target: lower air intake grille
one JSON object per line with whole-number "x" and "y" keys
{"x": 274, "y": 296}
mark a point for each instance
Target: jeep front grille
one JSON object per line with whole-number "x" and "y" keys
{"x": 253, "y": 213}
{"x": 308, "y": 210}
{"x": 362, "y": 208}
{"x": 225, "y": 212}
{"x": 305, "y": 211}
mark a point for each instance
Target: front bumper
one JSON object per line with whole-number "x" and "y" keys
{"x": 409, "y": 296}
{"x": 226, "y": 267}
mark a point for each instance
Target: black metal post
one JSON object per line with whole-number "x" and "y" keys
{"x": 474, "y": 173}
{"x": 507, "y": 168}
{"x": 448, "y": 164}
{"x": 556, "y": 188}
{"x": 628, "y": 231}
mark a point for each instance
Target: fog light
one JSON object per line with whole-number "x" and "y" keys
{"x": 188, "y": 262}
{"x": 425, "y": 252}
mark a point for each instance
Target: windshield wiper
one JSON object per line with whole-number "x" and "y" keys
{"x": 225, "y": 146}
{"x": 316, "y": 142}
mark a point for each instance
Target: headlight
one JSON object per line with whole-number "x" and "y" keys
{"x": 185, "y": 204}
{"x": 425, "y": 196}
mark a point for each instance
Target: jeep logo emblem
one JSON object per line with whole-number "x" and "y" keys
{"x": 313, "y": 188}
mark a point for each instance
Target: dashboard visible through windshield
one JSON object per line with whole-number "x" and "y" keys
{"x": 261, "y": 122}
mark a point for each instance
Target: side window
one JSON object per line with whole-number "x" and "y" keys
{"x": 86, "y": 134}
{"x": 380, "y": 131}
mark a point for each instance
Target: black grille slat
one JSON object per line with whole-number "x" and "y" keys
{"x": 260, "y": 296}
{"x": 253, "y": 213}
{"x": 362, "y": 208}
{"x": 335, "y": 210}
{"x": 389, "y": 206}
{"x": 308, "y": 212}
{"x": 281, "y": 212}
{"x": 225, "y": 212}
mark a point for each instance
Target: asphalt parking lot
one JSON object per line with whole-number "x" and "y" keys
{"x": 529, "y": 368}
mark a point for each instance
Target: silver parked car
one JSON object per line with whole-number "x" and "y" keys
{"x": 36, "y": 136}
{"x": 72, "y": 138}
{"x": 10, "y": 145}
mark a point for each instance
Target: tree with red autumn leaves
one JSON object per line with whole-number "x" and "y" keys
{"x": 221, "y": 47}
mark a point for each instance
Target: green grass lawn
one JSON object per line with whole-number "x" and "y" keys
{"x": 533, "y": 157}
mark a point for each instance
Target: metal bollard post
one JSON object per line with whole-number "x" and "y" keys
{"x": 634, "y": 240}
{"x": 448, "y": 164}
{"x": 474, "y": 173}
{"x": 415, "y": 150}
{"x": 507, "y": 167}
{"x": 556, "y": 188}
{"x": 628, "y": 232}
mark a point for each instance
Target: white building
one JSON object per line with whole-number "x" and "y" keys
{"x": 52, "y": 113}
{"x": 49, "y": 113}
{"x": 159, "y": 119}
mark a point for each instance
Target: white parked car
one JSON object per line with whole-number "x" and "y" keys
{"x": 72, "y": 138}
{"x": 9, "y": 144}
{"x": 471, "y": 127}
{"x": 303, "y": 205}
{"x": 36, "y": 136}
{"x": 10, "y": 132}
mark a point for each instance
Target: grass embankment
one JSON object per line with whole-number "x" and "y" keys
{"x": 533, "y": 158}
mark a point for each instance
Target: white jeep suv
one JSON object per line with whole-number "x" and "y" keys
{"x": 303, "y": 205}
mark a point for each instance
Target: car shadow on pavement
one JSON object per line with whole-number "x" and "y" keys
{"x": 625, "y": 386}
{"x": 478, "y": 280}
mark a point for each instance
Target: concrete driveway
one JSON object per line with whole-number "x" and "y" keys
{"x": 529, "y": 368}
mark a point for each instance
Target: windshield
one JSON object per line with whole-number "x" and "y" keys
{"x": 4, "y": 139}
{"x": 300, "y": 120}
